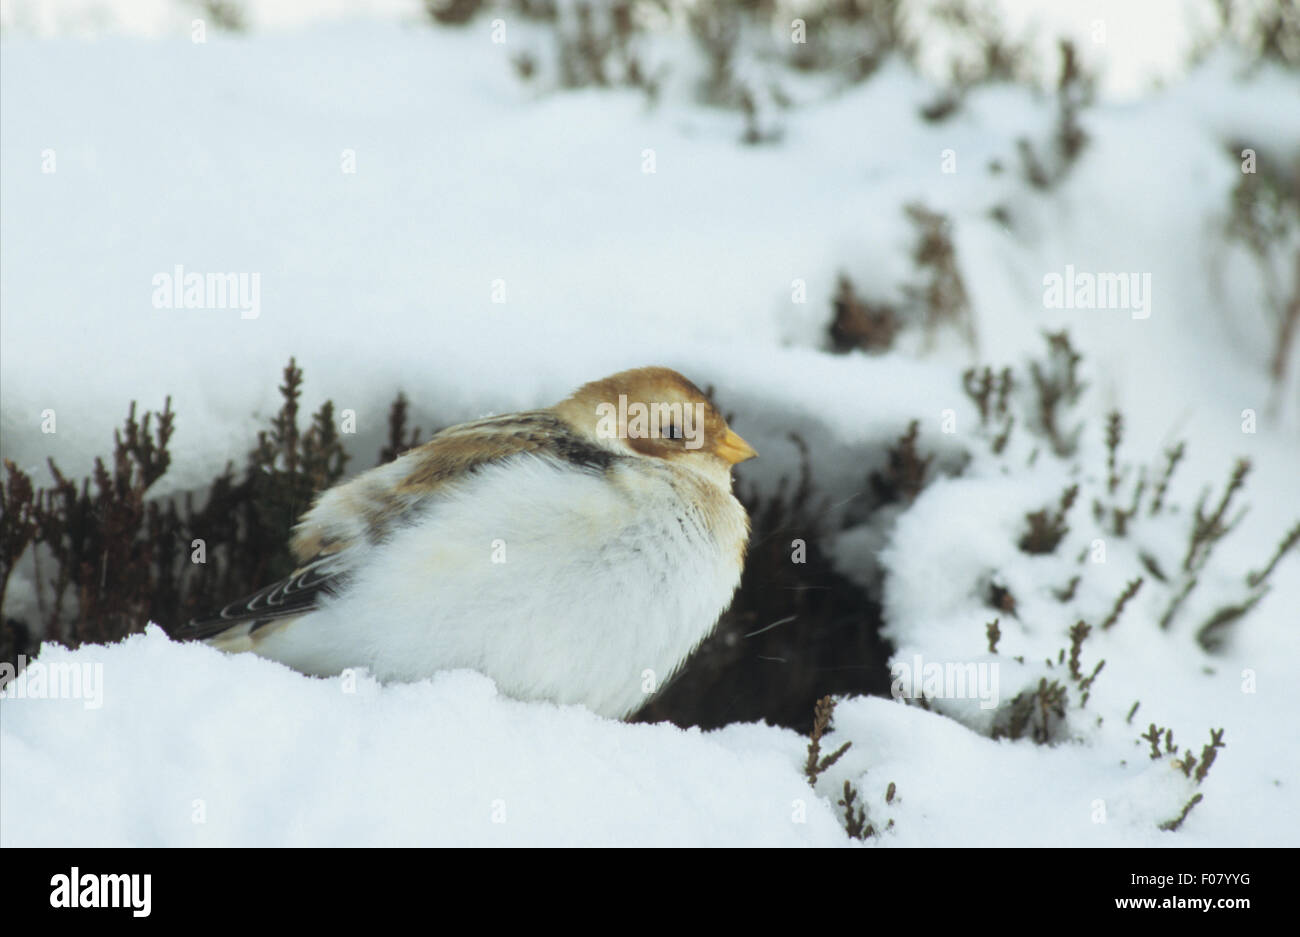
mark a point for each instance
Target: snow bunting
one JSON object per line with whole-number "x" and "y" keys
{"x": 577, "y": 554}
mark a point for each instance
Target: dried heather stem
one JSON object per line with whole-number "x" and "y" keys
{"x": 1078, "y": 634}
{"x": 1153, "y": 736}
{"x": 1208, "y": 754}
{"x": 1208, "y": 530}
{"x": 1288, "y": 542}
{"x": 1173, "y": 457}
{"x": 1114, "y": 434}
{"x": 1171, "y": 826}
{"x": 1129, "y": 591}
{"x": 815, "y": 765}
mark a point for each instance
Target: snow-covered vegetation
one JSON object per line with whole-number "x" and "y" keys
{"x": 1012, "y": 323}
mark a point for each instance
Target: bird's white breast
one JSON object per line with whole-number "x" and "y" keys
{"x": 558, "y": 583}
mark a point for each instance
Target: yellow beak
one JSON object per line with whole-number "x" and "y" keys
{"x": 734, "y": 449}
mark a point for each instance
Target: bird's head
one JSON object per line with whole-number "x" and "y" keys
{"x": 655, "y": 412}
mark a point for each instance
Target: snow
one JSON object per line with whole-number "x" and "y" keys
{"x": 957, "y": 536}
{"x": 282, "y": 760}
{"x": 227, "y": 156}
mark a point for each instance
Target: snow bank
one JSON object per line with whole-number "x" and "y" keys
{"x": 191, "y": 747}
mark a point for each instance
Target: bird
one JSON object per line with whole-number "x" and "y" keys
{"x": 576, "y": 554}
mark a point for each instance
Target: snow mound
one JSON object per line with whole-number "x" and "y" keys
{"x": 191, "y": 747}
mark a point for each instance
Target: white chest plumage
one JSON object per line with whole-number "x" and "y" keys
{"x": 558, "y": 583}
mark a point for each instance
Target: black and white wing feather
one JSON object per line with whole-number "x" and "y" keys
{"x": 296, "y": 594}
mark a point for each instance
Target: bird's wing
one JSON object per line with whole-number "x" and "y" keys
{"x": 296, "y": 594}
{"x": 347, "y": 520}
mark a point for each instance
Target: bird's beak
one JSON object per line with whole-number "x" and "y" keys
{"x": 734, "y": 449}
